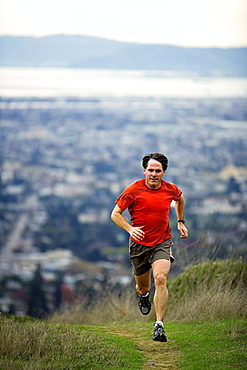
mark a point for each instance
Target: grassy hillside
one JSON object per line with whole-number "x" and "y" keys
{"x": 208, "y": 291}
{"x": 206, "y": 327}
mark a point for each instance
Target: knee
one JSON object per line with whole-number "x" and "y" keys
{"x": 160, "y": 279}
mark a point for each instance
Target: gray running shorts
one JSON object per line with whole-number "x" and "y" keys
{"x": 142, "y": 256}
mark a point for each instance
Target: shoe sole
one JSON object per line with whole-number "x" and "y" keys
{"x": 148, "y": 308}
{"x": 145, "y": 313}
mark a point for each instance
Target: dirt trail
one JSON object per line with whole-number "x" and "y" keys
{"x": 157, "y": 355}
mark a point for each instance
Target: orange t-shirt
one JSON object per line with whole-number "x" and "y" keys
{"x": 150, "y": 208}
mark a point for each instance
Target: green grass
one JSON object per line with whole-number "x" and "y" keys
{"x": 37, "y": 345}
{"x": 217, "y": 345}
{"x": 26, "y": 344}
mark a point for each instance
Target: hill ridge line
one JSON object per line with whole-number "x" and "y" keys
{"x": 67, "y": 51}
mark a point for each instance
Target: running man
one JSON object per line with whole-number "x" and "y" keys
{"x": 148, "y": 202}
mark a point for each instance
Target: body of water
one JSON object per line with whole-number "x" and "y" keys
{"x": 68, "y": 82}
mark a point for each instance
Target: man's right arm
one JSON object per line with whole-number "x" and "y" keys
{"x": 117, "y": 217}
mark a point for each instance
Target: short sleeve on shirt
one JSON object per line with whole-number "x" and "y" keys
{"x": 124, "y": 201}
{"x": 177, "y": 193}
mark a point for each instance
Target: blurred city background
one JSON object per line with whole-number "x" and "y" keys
{"x": 78, "y": 113}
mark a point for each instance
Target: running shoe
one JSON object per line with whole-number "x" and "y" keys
{"x": 159, "y": 333}
{"x": 144, "y": 304}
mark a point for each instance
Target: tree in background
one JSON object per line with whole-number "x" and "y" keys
{"x": 37, "y": 305}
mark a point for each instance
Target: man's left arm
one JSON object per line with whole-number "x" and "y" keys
{"x": 179, "y": 208}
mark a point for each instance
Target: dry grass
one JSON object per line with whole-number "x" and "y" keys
{"x": 109, "y": 307}
{"x": 209, "y": 304}
{"x": 209, "y": 291}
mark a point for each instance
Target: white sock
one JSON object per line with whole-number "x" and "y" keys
{"x": 146, "y": 295}
{"x": 159, "y": 322}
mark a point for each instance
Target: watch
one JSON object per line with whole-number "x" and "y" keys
{"x": 183, "y": 221}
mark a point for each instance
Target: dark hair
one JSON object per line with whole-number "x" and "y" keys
{"x": 158, "y": 157}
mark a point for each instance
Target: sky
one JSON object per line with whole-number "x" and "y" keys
{"x": 196, "y": 23}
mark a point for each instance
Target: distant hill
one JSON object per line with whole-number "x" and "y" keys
{"x": 92, "y": 52}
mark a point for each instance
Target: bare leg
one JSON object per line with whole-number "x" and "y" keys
{"x": 143, "y": 283}
{"x": 160, "y": 272}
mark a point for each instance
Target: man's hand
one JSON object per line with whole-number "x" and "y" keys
{"x": 183, "y": 230}
{"x": 137, "y": 233}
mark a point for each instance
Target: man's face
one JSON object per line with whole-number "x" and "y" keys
{"x": 154, "y": 173}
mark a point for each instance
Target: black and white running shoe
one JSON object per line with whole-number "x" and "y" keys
{"x": 144, "y": 304}
{"x": 159, "y": 333}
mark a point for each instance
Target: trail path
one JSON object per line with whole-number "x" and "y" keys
{"x": 157, "y": 355}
